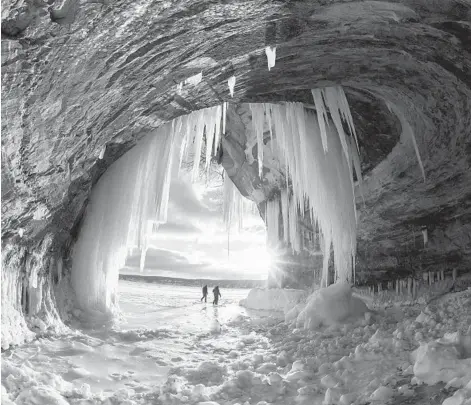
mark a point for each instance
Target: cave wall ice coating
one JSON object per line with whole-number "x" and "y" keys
{"x": 82, "y": 82}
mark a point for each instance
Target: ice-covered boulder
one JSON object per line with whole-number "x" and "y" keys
{"x": 331, "y": 305}
{"x": 444, "y": 360}
{"x": 273, "y": 299}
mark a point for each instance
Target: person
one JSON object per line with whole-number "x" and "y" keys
{"x": 205, "y": 293}
{"x": 217, "y": 294}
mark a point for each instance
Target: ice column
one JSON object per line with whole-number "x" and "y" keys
{"x": 129, "y": 202}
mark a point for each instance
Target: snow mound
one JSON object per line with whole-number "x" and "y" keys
{"x": 444, "y": 360}
{"x": 215, "y": 326}
{"x": 329, "y": 306}
{"x": 273, "y": 299}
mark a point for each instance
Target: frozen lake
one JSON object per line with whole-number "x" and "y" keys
{"x": 163, "y": 326}
{"x": 178, "y": 308}
{"x": 171, "y": 349}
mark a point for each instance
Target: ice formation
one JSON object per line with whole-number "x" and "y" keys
{"x": 195, "y": 79}
{"x": 408, "y": 132}
{"x": 258, "y": 120}
{"x": 231, "y": 83}
{"x": 192, "y": 81}
{"x": 271, "y": 56}
{"x": 331, "y": 305}
{"x": 273, "y": 299}
{"x": 319, "y": 160}
{"x": 130, "y": 201}
{"x": 235, "y": 206}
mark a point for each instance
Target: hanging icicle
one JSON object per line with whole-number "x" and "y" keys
{"x": 231, "y": 83}
{"x": 258, "y": 120}
{"x": 322, "y": 179}
{"x": 271, "y": 56}
{"x": 235, "y": 206}
{"x": 408, "y": 132}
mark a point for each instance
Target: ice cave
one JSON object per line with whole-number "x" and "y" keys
{"x": 311, "y": 159}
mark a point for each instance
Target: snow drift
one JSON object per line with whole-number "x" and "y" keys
{"x": 445, "y": 360}
{"x": 273, "y": 299}
{"x": 331, "y": 305}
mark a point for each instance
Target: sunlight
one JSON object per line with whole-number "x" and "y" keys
{"x": 257, "y": 260}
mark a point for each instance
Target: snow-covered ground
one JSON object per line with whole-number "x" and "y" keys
{"x": 172, "y": 349}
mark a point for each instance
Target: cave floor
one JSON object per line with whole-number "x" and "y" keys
{"x": 172, "y": 349}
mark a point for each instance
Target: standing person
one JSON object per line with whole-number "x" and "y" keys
{"x": 217, "y": 294}
{"x": 205, "y": 293}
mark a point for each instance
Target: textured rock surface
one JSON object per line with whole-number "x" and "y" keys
{"x": 83, "y": 81}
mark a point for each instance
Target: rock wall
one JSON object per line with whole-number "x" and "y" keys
{"x": 83, "y": 81}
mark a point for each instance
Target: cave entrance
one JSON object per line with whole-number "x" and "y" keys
{"x": 296, "y": 165}
{"x": 167, "y": 208}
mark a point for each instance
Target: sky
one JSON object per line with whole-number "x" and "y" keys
{"x": 194, "y": 241}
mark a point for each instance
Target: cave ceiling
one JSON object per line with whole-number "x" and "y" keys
{"x": 83, "y": 81}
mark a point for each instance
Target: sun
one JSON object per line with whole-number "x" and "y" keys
{"x": 256, "y": 260}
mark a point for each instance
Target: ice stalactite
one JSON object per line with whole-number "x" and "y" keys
{"x": 28, "y": 302}
{"x": 409, "y": 133}
{"x": 231, "y": 83}
{"x": 130, "y": 201}
{"x": 272, "y": 220}
{"x": 287, "y": 207}
{"x": 235, "y": 206}
{"x": 231, "y": 203}
{"x": 425, "y": 236}
{"x": 258, "y": 121}
{"x": 319, "y": 175}
{"x": 14, "y": 329}
{"x": 271, "y": 56}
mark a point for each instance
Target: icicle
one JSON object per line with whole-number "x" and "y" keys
{"x": 224, "y": 112}
{"x": 331, "y": 97}
{"x": 326, "y": 257}
{"x": 211, "y": 118}
{"x": 321, "y": 115}
{"x": 344, "y": 109}
{"x": 235, "y": 206}
{"x": 128, "y": 195}
{"x": 217, "y": 138}
{"x": 357, "y": 167}
{"x": 231, "y": 83}
{"x": 271, "y": 56}
{"x": 425, "y": 235}
{"x": 102, "y": 153}
{"x": 408, "y": 132}
{"x": 270, "y": 125}
{"x": 323, "y": 180}
{"x": 285, "y": 215}
{"x": 294, "y": 237}
{"x": 258, "y": 119}
{"x": 272, "y": 220}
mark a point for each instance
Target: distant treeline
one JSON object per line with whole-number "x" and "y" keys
{"x": 194, "y": 282}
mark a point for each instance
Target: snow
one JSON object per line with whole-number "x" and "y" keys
{"x": 329, "y": 306}
{"x": 165, "y": 352}
{"x": 273, "y": 299}
{"x": 444, "y": 360}
{"x": 195, "y": 79}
